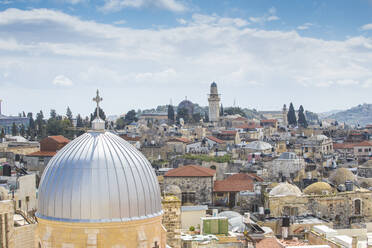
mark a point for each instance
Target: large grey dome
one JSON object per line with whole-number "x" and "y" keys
{"x": 98, "y": 177}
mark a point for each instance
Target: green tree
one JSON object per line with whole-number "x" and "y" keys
{"x": 196, "y": 117}
{"x": 40, "y": 125}
{"x": 2, "y": 135}
{"x": 301, "y": 117}
{"x": 22, "y": 130}
{"x": 31, "y": 130}
{"x": 120, "y": 123}
{"x": 102, "y": 114}
{"x": 170, "y": 114}
{"x": 291, "y": 115}
{"x": 184, "y": 114}
{"x": 23, "y": 114}
{"x": 14, "y": 129}
{"x": 54, "y": 127}
{"x": 69, "y": 114}
{"x": 53, "y": 113}
{"x": 234, "y": 111}
{"x": 206, "y": 117}
{"x": 130, "y": 117}
{"x": 79, "y": 121}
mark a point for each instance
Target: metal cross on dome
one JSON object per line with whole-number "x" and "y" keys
{"x": 98, "y": 99}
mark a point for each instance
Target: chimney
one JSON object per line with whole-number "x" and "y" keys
{"x": 354, "y": 242}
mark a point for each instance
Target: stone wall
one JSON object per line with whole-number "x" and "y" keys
{"x": 172, "y": 220}
{"x": 25, "y": 236}
{"x": 202, "y": 186}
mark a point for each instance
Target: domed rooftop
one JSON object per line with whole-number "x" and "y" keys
{"x": 285, "y": 189}
{"x": 172, "y": 190}
{"x": 341, "y": 175}
{"x": 259, "y": 146}
{"x": 98, "y": 177}
{"x": 318, "y": 188}
{"x": 186, "y": 104}
{"x": 213, "y": 84}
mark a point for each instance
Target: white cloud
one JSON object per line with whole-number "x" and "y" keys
{"x": 367, "y": 27}
{"x": 62, "y": 80}
{"x": 75, "y": 1}
{"x": 119, "y": 22}
{"x": 305, "y": 26}
{"x": 268, "y": 17}
{"x": 182, "y": 60}
{"x": 117, "y": 5}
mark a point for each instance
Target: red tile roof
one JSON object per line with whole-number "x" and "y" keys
{"x": 128, "y": 138}
{"x": 270, "y": 242}
{"x": 190, "y": 171}
{"x": 42, "y": 154}
{"x": 269, "y": 120}
{"x": 249, "y": 126}
{"x": 217, "y": 140}
{"x": 236, "y": 183}
{"x": 59, "y": 139}
{"x": 181, "y": 139}
{"x": 240, "y": 119}
{"x": 337, "y": 146}
{"x": 364, "y": 143}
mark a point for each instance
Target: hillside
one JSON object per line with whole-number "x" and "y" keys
{"x": 361, "y": 114}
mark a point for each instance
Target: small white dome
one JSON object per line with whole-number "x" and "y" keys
{"x": 98, "y": 177}
{"x": 259, "y": 146}
{"x": 285, "y": 189}
{"x": 319, "y": 137}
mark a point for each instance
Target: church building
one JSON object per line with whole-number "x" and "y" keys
{"x": 99, "y": 191}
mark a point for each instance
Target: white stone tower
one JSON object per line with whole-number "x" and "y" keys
{"x": 285, "y": 112}
{"x": 214, "y": 104}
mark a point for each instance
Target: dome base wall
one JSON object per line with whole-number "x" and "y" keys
{"x": 142, "y": 233}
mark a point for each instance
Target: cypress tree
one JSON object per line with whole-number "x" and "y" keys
{"x": 170, "y": 114}
{"x": 221, "y": 110}
{"x": 301, "y": 117}
{"x": 14, "y": 129}
{"x": 291, "y": 116}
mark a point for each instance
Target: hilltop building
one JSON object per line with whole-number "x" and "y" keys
{"x": 214, "y": 104}
{"x": 6, "y": 122}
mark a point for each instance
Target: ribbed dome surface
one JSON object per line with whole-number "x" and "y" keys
{"x": 98, "y": 177}
{"x": 285, "y": 189}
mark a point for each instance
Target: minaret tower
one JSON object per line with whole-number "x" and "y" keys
{"x": 214, "y": 104}
{"x": 285, "y": 112}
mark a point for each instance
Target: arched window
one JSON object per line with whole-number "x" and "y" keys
{"x": 357, "y": 207}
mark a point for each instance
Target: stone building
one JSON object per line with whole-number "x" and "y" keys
{"x": 214, "y": 104}
{"x": 16, "y": 229}
{"x": 49, "y": 146}
{"x": 195, "y": 182}
{"x": 99, "y": 191}
{"x": 321, "y": 200}
{"x": 286, "y": 166}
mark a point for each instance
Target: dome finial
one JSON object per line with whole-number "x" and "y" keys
{"x": 98, "y": 123}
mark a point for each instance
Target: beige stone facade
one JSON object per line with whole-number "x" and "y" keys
{"x": 172, "y": 220}
{"x": 141, "y": 233}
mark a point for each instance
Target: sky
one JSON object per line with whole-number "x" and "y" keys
{"x": 143, "y": 53}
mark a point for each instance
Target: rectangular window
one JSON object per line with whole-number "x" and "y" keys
{"x": 19, "y": 203}
{"x": 27, "y": 198}
{"x": 188, "y": 197}
{"x": 366, "y": 150}
{"x": 220, "y": 194}
{"x": 360, "y": 150}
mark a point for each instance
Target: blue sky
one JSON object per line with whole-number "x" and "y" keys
{"x": 142, "y": 53}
